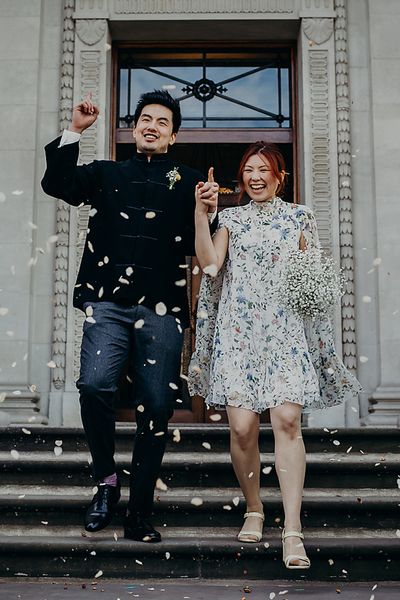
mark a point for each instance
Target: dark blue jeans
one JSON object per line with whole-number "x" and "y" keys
{"x": 154, "y": 349}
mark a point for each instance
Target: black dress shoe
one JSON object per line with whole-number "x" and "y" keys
{"x": 136, "y": 527}
{"x": 101, "y": 509}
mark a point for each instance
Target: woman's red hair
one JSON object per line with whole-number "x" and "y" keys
{"x": 275, "y": 159}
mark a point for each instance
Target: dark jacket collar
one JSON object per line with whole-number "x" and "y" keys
{"x": 141, "y": 157}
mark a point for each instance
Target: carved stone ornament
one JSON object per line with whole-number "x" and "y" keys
{"x": 203, "y": 6}
{"x": 90, "y": 31}
{"x": 63, "y": 210}
{"x": 318, "y": 30}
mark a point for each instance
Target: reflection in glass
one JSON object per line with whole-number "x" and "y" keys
{"x": 215, "y": 90}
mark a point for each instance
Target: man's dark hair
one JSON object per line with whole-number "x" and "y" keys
{"x": 165, "y": 99}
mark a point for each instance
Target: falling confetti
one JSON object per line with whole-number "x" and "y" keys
{"x": 211, "y": 270}
{"x": 167, "y": 555}
{"x": 176, "y": 435}
{"x": 3, "y": 311}
{"x": 180, "y": 282}
{"x": 196, "y": 270}
{"x": 173, "y": 386}
{"x": 150, "y": 214}
{"x": 26, "y": 431}
{"x": 215, "y": 417}
{"x": 160, "y": 485}
{"x": 51, "y": 364}
{"x": 14, "y": 454}
{"x": 58, "y": 451}
{"x": 235, "y": 501}
{"x": 267, "y": 470}
{"x": 139, "y": 324}
{"x": 2, "y": 197}
{"x": 98, "y": 574}
{"x": 124, "y": 215}
{"x": 161, "y": 309}
{"x": 376, "y": 262}
{"x": 367, "y": 299}
{"x": 151, "y": 361}
{"x": 206, "y": 445}
{"x": 227, "y": 507}
{"x": 92, "y": 212}
{"x": 140, "y": 408}
{"x": 336, "y": 443}
{"x": 196, "y": 501}
{"x": 17, "y": 192}
{"x": 363, "y": 359}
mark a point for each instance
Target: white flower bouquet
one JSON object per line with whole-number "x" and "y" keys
{"x": 310, "y": 285}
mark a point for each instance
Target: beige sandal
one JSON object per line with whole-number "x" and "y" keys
{"x": 287, "y": 559}
{"x": 243, "y": 536}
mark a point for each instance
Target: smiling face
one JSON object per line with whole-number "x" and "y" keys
{"x": 259, "y": 180}
{"x": 153, "y": 130}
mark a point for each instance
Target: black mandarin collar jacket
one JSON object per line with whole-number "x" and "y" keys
{"x": 141, "y": 226}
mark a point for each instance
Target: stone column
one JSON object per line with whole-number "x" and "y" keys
{"x": 318, "y": 150}
{"x": 92, "y": 68}
{"x": 384, "y": 61}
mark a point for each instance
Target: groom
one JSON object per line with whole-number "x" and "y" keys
{"x": 132, "y": 287}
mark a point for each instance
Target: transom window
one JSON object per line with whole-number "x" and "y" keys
{"x": 216, "y": 89}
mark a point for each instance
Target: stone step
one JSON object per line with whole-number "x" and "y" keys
{"x": 204, "y": 468}
{"x": 336, "y": 555}
{"x": 191, "y": 437}
{"x": 27, "y": 511}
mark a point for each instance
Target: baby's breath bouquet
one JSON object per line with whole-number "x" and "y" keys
{"x": 310, "y": 284}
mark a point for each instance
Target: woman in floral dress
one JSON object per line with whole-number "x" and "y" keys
{"x": 251, "y": 353}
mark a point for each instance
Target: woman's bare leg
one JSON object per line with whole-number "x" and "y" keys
{"x": 244, "y": 428}
{"x": 290, "y": 465}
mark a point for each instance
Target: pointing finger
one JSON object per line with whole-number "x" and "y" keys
{"x": 211, "y": 174}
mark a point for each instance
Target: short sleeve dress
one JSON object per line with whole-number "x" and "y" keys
{"x": 251, "y": 352}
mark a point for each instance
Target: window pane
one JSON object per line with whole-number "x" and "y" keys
{"x": 215, "y": 89}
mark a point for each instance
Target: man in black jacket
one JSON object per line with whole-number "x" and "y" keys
{"x": 132, "y": 287}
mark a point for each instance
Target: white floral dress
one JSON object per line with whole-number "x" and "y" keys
{"x": 250, "y": 351}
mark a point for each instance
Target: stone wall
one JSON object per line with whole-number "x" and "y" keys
{"x": 29, "y": 98}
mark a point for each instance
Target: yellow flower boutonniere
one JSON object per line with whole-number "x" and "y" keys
{"x": 173, "y": 176}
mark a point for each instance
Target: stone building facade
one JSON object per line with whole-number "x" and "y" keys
{"x": 347, "y": 131}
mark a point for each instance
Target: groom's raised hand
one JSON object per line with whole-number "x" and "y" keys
{"x": 84, "y": 115}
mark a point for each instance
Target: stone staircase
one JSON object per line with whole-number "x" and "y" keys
{"x": 351, "y": 508}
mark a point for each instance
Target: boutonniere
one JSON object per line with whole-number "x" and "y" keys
{"x": 173, "y": 176}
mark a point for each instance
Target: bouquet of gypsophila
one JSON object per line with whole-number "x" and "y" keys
{"x": 310, "y": 285}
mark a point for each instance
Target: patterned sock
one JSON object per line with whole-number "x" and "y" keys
{"x": 110, "y": 480}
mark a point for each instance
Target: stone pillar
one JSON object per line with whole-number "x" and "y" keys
{"x": 318, "y": 150}
{"x": 384, "y": 23}
{"x": 91, "y": 73}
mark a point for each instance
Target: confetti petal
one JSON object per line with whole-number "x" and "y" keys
{"x": 211, "y": 270}
{"x": 160, "y": 485}
{"x": 161, "y": 309}
{"x": 196, "y": 501}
